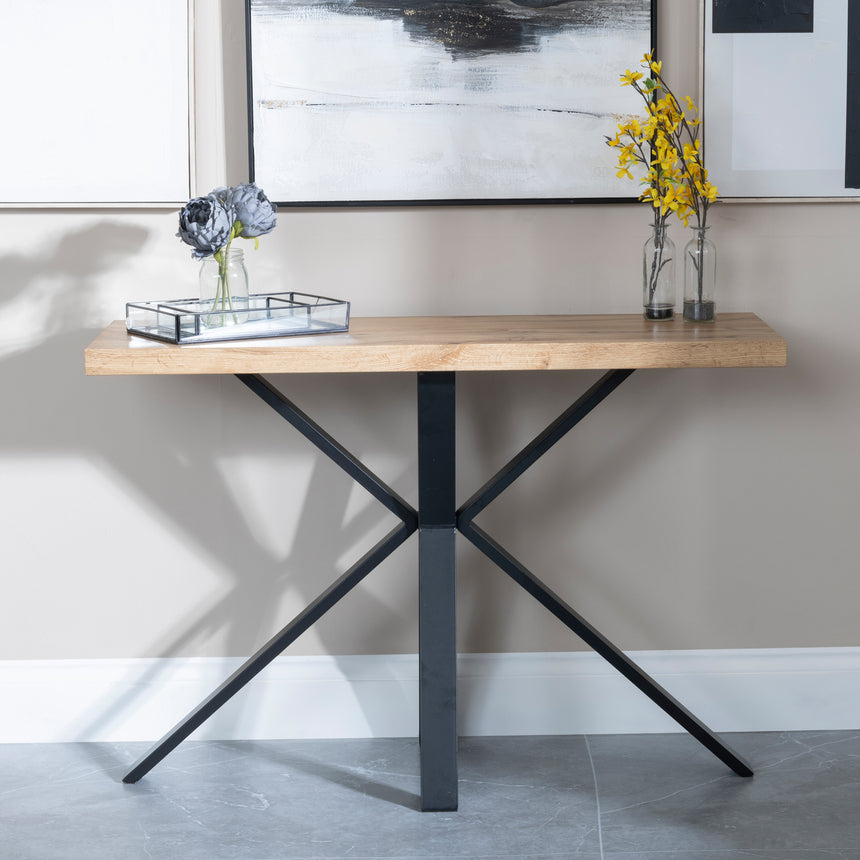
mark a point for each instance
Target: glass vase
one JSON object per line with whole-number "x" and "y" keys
{"x": 658, "y": 275}
{"x": 224, "y": 286}
{"x": 700, "y": 278}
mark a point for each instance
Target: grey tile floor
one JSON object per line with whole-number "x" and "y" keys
{"x": 636, "y": 797}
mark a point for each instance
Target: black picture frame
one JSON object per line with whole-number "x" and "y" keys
{"x": 273, "y": 153}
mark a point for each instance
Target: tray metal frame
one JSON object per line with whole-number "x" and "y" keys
{"x": 184, "y": 321}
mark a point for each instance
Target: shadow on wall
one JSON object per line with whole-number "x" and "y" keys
{"x": 169, "y": 442}
{"x": 61, "y": 279}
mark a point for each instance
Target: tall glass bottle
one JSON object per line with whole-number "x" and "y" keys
{"x": 700, "y": 278}
{"x": 658, "y": 275}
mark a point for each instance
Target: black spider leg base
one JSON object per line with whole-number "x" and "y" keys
{"x": 315, "y": 610}
{"x": 568, "y": 616}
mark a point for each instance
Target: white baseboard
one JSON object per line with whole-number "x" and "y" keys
{"x": 377, "y": 696}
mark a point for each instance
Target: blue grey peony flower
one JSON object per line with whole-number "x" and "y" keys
{"x": 206, "y": 223}
{"x": 253, "y": 209}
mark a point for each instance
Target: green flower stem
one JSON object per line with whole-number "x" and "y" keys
{"x": 223, "y": 295}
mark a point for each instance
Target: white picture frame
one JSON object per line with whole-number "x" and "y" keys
{"x": 98, "y": 103}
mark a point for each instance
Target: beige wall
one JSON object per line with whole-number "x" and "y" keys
{"x": 178, "y": 516}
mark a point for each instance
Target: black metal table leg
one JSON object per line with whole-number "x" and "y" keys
{"x": 255, "y": 664}
{"x": 541, "y": 444}
{"x": 527, "y": 580}
{"x": 436, "y": 601}
{"x": 614, "y": 655}
{"x": 330, "y": 447}
{"x": 314, "y": 611}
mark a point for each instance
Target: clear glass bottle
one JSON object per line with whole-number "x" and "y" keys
{"x": 700, "y": 278}
{"x": 658, "y": 275}
{"x": 224, "y": 286}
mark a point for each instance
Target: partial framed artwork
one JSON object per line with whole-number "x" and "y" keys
{"x": 363, "y": 102}
{"x": 781, "y": 98}
{"x": 96, "y": 102}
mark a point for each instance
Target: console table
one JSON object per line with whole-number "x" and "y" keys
{"x": 436, "y": 349}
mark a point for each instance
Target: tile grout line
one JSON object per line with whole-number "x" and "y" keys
{"x": 596, "y": 796}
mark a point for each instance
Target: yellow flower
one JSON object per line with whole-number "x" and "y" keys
{"x": 691, "y": 151}
{"x": 627, "y": 153}
{"x": 629, "y": 78}
{"x": 668, "y": 202}
{"x": 624, "y": 172}
{"x": 709, "y": 191}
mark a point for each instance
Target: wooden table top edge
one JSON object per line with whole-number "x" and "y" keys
{"x": 464, "y": 343}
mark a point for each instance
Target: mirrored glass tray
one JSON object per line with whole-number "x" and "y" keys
{"x": 260, "y": 315}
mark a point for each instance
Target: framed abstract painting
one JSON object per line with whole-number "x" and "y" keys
{"x": 438, "y": 101}
{"x": 782, "y": 98}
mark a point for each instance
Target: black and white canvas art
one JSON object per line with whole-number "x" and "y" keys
{"x": 782, "y": 97}
{"x": 370, "y": 101}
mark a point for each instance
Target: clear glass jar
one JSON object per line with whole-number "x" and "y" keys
{"x": 700, "y": 278}
{"x": 224, "y": 286}
{"x": 658, "y": 275}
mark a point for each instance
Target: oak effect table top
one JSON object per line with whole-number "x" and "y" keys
{"x": 464, "y": 343}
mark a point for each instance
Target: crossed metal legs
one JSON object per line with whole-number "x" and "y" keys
{"x": 437, "y": 632}
{"x": 315, "y": 610}
{"x": 568, "y": 616}
{"x": 436, "y": 521}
